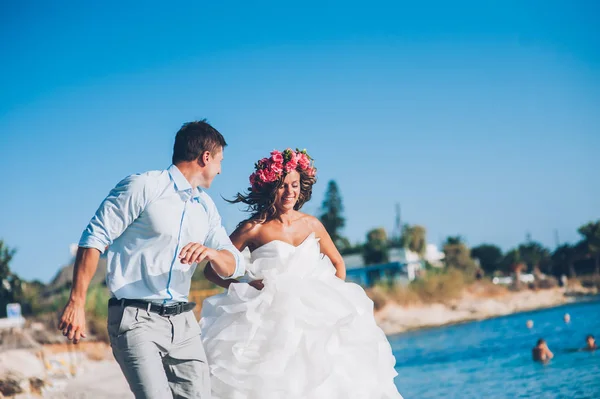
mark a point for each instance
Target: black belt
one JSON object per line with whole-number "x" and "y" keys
{"x": 163, "y": 310}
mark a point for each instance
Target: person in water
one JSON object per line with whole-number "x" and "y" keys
{"x": 541, "y": 352}
{"x": 529, "y": 324}
{"x": 590, "y": 343}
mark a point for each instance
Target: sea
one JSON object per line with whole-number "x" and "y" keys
{"x": 492, "y": 358}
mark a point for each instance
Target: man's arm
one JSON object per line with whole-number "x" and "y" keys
{"x": 120, "y": 208}
{"x": 225, "y": 262}
{"x": 72, "y": 321}
{"x": 239, "y": 238}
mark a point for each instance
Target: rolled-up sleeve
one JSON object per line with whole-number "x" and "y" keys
{"x": 119, "y": 209}
{"x": 218, "y": 239}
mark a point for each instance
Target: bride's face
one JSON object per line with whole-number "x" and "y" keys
{"x": 287, "y": 195}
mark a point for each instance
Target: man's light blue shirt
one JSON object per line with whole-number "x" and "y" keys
{"x": 145, "y": 221}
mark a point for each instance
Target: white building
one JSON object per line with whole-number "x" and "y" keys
{"x": 403, "y": 256}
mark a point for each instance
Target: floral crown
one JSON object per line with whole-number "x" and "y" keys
{"x": 268, "y": 170}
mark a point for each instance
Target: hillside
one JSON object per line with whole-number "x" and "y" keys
{"x": 64, "y": 277}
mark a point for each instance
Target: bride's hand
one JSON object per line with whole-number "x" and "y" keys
{"x": 257, "y": 284}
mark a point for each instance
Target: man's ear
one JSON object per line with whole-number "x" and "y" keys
{"x": 204, "y": 158}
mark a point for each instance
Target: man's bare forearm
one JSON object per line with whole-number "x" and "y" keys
{"x": 224, "y": 263}
{"x": 86, "y": 263}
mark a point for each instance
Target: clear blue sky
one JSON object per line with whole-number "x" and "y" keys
{"x": 481, "y": 118}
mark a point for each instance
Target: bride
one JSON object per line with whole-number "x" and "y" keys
{"x": 295, "y": 330}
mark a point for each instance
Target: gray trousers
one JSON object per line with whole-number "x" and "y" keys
{"x": 161, "y": 357}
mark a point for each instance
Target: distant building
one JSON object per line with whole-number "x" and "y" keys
{"x": 408, "y": 261}
{"x": 404, "y": 265}
{"x": 412, "y": 260}
{"x": 367, "y": 276}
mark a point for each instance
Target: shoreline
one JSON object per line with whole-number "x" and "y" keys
{"x": 395, "y": 319}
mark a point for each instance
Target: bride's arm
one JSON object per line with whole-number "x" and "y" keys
{"x": 213, "y": 277}
{"x": 329, "y": 249}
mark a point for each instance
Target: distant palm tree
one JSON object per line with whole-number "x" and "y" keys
{"x": 414, "y": 238}
{"x": 458, "y": 255}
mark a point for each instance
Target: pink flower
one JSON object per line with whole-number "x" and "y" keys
{"x": 277, "y": 156}
{"x": 270, "y": 176}
{"x": 262, "y": 175}
{"x": 303, "y": 161}
{"x": 291, "y": 165}
{"x": 276, "y": 167}
{"x": 268, "y": 170}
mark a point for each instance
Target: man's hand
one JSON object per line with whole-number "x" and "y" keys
{"x": 196, "y": 253}
{"x": 258, "y": 284}
{"x": 72, "y": 322}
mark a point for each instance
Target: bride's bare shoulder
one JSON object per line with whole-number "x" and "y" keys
{"x": 313, "y": 223}
{"x": 246, "y": 232}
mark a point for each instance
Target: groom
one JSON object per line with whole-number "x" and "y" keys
{"x": 157, "y": 227}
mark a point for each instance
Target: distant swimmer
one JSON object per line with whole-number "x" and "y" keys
{"x": 567, "y": 318}
{"x": 590, "y": 343}
{"x": 529, "y": 323}
{"x": 541, "y": 352}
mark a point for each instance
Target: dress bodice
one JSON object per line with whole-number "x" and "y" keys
{"x": 277, "y": 257}
{"x": 278, "y": 248}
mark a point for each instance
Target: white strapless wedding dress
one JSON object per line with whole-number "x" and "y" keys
{"x": 305, "y": 335}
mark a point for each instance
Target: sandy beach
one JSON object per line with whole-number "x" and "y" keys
{"x": 100, "y": 380}
{"x": 394, "y": 319}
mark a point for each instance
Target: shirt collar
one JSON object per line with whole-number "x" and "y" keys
{"x": 182, "y": 184}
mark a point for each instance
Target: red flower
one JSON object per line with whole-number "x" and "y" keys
{"x": 276, "y": 167}
{"x": 291, "y": 164}
{"x": 268, "y": 170}
{"x": 277, "y": 156}
{"x": 303, "y": 161}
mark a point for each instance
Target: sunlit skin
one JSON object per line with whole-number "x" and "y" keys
{"x": 287, "y": 195}
{"x": 202, "y": 172}
{"x": 541, "y": 352}
{"x": 289, "y": 226}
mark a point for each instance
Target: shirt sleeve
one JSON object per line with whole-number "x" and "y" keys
{"x": 218, "y": 239}
{"x": 119, "y": 209}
